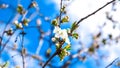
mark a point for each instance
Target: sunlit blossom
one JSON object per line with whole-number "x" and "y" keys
{"x": 61, "y": 33}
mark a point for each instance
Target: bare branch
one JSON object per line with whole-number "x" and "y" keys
{"x": 112, "y": 62}
{"x": 60, "y": 12}
{"x": 22, "y": 53}
{"x": 94, "y": 12}
{"x": 49, "y": 59}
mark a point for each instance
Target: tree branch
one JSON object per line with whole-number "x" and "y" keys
{"x": 5, "y": 44}
{"x": 112, "y": 62}
{"x": 49, "y": 59}
{"x": 61, "y": 42}
{"x": 60, "y": 12}
{"x": 22, "y": 52}
{"x": 94, "y": 12}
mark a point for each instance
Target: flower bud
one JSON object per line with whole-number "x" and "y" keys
{"x": 26, "y": 21}
{"x": 10, "y": 31}
{"x": 65, "y": 19}
{"x": 55, "y": 22}
{"x": 20, "y": 9}
{"x": 33, "y": 4}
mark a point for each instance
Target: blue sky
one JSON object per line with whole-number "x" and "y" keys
{"x": 76, "y": 10}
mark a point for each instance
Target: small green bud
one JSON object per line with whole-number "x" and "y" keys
{"x": 26, "y": 21}
{"x": 20, "y": 9}
{"x": 48, "y": 52}
{"x": 55, "y": 22}
{"x": 62, "y": 54}
{"x": 9, "y": 32}
{"x": 67, "y": 47}
{"x": 104, "y": 41}
{"x": 91, "y": 49}
{"x": 65, "y": 19}
{"x": 18, "y": 25}
{"x": 33, "y": 4}
{"x": 63, "y": 9}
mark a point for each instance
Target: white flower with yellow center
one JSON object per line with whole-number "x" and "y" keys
{"x": 61, "y": 33}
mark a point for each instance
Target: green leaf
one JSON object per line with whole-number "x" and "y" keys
{"x": 74, "y": 26}
{"x": 67, "y": 47}
{"x": 75, "y": 35}
{"x": 62, "y": 54}
{"x": 6, "y": 65}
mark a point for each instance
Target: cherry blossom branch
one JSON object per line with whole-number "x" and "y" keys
{"x": 49, "y": 59}
{"x": 76, "y": 25}
{"x": 58, "y": 50}
{"x": 56, "y": 53}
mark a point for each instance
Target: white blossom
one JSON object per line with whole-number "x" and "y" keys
{"x": 53, "y": 39}
{"x": 18, "y": 25}
{"x": 61, "y": 33}
{"x": 15, "y": 22}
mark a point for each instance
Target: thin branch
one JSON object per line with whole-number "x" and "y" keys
{"x": 57, "y": 52}
{"x": 60, "y": 12}
{"x": 5, "y": 44}
{"x": 49, "y": 59}
{"x": 94, "y": 12}
{"x": 112, "y": 62}
{"x": 1, "y": 38}
{"x": 22, "y": 54}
